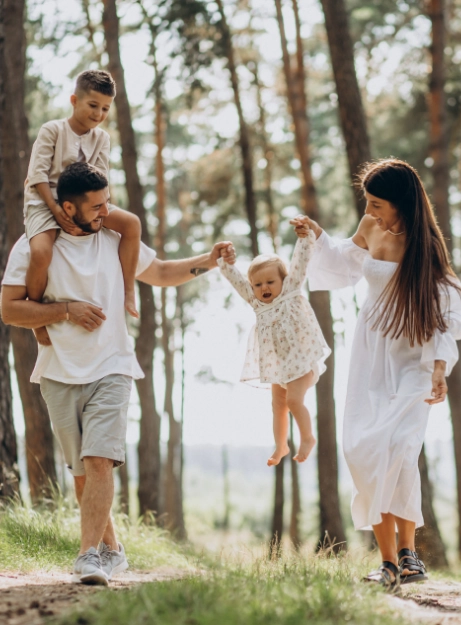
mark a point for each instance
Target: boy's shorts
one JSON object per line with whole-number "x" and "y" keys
{"x": 38, "y": 219}
{"x": 89, "y": 419}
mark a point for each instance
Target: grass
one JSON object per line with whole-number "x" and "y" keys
{"x": 292, "y": 591}
{"x": 48, "y": 539}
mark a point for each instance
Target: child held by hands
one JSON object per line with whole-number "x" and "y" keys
{"x": 60, "y": 143}
{"x": 286, "y": 348}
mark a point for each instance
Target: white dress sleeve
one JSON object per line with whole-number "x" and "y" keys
{"x": 442, "y": 345}
{"x": 240, "y": 284}
{"x": 335, "y": 264}
{"x": 302, "y": 254}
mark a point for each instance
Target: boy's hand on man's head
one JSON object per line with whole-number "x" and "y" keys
{"x": 64, "y": 221}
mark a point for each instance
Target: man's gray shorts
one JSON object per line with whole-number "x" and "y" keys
{"x": 89, "y": 419}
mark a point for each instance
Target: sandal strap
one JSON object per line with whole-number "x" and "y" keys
{"x": 409, "y": 559}
{"x": 383, "y": 574}
{"x": 391, "y": 567}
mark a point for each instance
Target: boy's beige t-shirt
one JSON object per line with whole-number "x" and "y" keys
{"x": 56, "y": 147}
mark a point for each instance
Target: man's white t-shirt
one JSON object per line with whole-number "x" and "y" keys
{"x": 83, "y": 269}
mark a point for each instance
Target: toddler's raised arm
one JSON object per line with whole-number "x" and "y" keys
{"x": 298, "y": 267}
{"x": 239, "y": 282}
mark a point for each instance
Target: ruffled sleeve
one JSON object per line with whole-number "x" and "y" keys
{"x": 442, "y": 345}
{"x": 335, "y": 264}
{"x": 240, "y": 284}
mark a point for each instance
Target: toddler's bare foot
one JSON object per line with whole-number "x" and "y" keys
{"x": 278, "y": 455}
{"x": 305, "y": 448}
{"x": 42, "y": 336}
{"x": 130, "y": 304}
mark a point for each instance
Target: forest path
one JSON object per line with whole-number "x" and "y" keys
{"x": 32, "y": 598}
{"x": 435, "y": 602}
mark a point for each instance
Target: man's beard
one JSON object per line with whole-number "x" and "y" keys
{"x": 85, "y": 225}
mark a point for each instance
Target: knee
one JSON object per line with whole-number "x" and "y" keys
{"x": 295, "y": 404}
{"x": 97, "y": 466}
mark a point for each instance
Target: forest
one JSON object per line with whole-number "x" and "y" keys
{"x": 231, "y": 117}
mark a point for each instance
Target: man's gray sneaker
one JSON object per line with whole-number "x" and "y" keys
{"x": 112, "y": 561}
{"x": 88, "y": 569}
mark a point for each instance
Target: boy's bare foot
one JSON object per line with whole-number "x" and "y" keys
{"x": 278, "y": 454}
{"x": 130, "y": 304}
{"x": 42, "y": 336}
{"x": 305, "y": 448}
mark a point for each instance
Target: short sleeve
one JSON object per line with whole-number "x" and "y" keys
{"x": 42, "y": 155}
{"x": 18, "y": 262}
{"x": 335, "y": 263}
{"x": 146, "y": 256}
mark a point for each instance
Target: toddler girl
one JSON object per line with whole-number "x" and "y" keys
{"x": 286, "y": 348}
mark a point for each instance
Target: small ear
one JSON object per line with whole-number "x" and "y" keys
{"x": 73, "y": 99}
{"x": 68, "y": 208}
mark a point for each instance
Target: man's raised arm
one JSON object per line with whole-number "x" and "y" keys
{"x": 176, "y": 272}
{"x": 16, "y": 310}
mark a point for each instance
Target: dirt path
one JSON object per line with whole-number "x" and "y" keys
{"x": 29, "y": 599}
{"x": 430, "y": 603}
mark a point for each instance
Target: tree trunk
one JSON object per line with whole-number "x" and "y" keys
{"x": 9, "y": 474}
{"x": 245, "y": 147}
{"x": 439, "y": 149}
{"x": 330, "y": 511}
{"x": 268, "y": 151}
{"x": 295, "y": 494}
{"x": 41, "y": 467}
{"x": 149, "y": 442}
{"x": 351, "y": 111}
{"x": 429, "y": 542}
{"x": 277, "y": 517}
{"x": 124, "y": 495}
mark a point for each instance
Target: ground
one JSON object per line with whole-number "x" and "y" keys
{"x": 27, "y": 599}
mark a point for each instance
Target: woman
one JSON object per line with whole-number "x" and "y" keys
{"x": 404, "y": 346}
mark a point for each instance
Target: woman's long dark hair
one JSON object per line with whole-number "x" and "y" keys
{"x": 412, "y": 299}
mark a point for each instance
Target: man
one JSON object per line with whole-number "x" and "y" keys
{"x": 86, "y": 372}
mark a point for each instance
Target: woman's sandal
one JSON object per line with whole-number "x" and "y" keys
{"x": 388, "y": 575}
{"x": 409, "y": 561}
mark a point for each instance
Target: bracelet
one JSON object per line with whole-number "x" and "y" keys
{"x": 67, "y": 311}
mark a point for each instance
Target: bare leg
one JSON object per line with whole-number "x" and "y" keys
{"x": 41, "y": 253}
{"x": 280, "y": 421}
{"x": 385, "y": 536}
{"x": 109, "y": 536}
{"x": 96, "y": 502}
{"x": 296, "y": 391}
{"x": 406, "y": 539}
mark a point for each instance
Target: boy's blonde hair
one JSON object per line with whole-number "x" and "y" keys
{"x": 265, "y": 260}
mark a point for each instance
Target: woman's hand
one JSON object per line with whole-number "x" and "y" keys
{"x": 303, "y": 224}
{"x": 439, "y": 383}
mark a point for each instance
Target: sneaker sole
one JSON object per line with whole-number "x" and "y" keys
{"x": 119, "y": 568}
{"x": 93, "y": 579}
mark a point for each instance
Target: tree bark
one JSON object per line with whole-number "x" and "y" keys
{"x": 439, "y": 150}
{"x": 429, "y": 542}
{"x": 124, "y": 495}
{"x": 9, "y": 474}
{"x": 351, "y": 110}
{"x": 277, "y": 516}
{"x": 295, "y": 494}
{"x": 41, "y": 467}
{"x": 149, "y": 442}
{"x": 244, "y": 140}
{"x": 330, "y": 511}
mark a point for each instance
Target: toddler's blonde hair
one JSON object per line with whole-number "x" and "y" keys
{"x": 265, "y": 260}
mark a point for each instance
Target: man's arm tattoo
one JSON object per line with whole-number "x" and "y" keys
{"x": 197, "y": 271}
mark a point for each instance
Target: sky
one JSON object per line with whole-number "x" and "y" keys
{"x": 222, "y": 411}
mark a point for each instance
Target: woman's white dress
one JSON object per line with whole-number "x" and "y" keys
{"x": 286, "y": 342}
{"x": 385, "y": 415}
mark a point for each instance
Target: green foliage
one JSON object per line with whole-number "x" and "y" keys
{"x": 49, "y": 538}
{"x": 315, "y": 591}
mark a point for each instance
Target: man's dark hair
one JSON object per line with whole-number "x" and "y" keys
{"x": 76, "y": 180}
{"x": 95, "y": 80}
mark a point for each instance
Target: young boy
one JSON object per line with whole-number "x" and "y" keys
{"x": 58, "y": 144}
